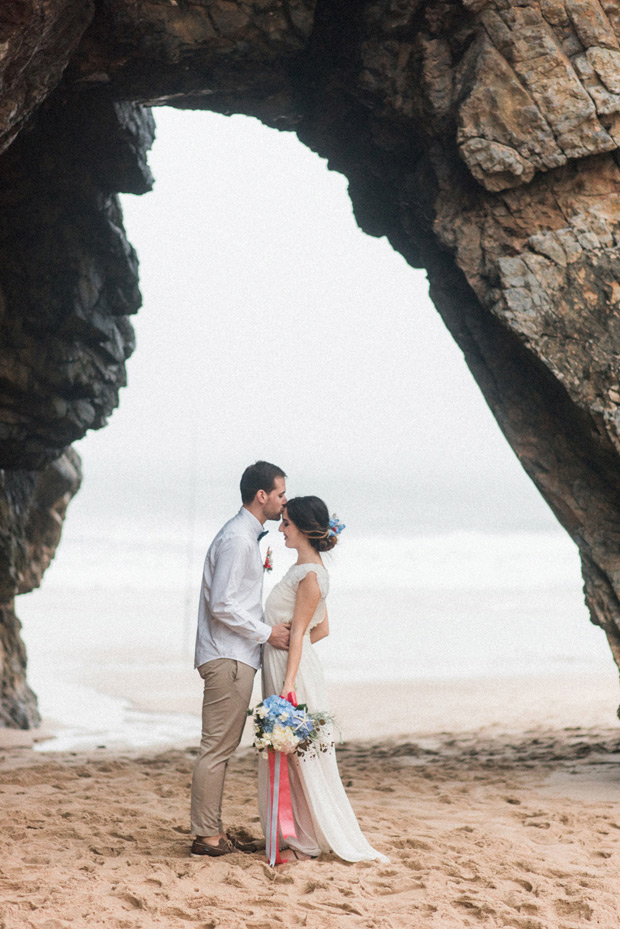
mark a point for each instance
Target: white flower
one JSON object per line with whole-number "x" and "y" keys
{"x": 284, "y": 740}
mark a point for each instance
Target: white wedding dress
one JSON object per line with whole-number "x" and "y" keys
{"x": 324, "y": 819}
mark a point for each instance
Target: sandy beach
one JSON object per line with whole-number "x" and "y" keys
{"x": 490, "y": 822}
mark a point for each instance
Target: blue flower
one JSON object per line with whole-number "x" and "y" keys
{"x": 279, "y": 712}
{"x": 281, "y": 727}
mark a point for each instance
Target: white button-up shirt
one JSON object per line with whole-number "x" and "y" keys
{"x": 230, "y": 614}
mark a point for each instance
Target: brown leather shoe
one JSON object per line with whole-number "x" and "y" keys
{"x": 223, "y": 847}
{"x": 247, "y": 848}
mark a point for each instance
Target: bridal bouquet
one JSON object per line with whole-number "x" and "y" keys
{"x": 281, "y": 727}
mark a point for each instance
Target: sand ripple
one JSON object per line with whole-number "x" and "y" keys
{"x": 518, "y": 832}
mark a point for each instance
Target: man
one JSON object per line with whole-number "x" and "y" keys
{"x": 228, "y": 647}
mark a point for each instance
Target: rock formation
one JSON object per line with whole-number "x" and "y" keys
{"x": 480, "y": 136}
{"x": 32, "y": 509}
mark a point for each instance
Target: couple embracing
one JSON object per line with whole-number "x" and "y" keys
{"x": 233, "y": 632}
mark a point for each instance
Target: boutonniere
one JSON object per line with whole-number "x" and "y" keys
{"x": 268, "y": 565}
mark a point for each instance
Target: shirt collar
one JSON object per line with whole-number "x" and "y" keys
{"x": 256, "y": 525}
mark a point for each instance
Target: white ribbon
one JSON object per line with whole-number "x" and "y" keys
{"x": 273, "y": 821}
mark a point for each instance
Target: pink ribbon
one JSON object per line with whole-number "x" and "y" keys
{"x": 280, "y": 819}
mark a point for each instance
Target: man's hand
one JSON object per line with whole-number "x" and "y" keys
{"x": 280, "y": 635}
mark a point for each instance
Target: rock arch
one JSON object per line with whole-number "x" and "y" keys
{"x": 480, "y": 136}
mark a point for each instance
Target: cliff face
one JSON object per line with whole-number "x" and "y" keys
{"x": 32, "y": 510}
{"x": 69, "y": 278}
{"x": 480, "y": 136}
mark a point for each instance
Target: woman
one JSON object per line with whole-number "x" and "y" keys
{"x": 324, "y": 820}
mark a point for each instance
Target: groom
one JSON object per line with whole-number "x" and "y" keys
{"x": 228, "y": 647}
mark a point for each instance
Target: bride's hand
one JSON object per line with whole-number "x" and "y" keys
{"x": 290, "y": 695}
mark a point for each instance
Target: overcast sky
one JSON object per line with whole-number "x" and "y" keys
{"x": 273, "y": 327}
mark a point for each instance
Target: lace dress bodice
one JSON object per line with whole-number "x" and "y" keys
{"x": 281, "y": 601}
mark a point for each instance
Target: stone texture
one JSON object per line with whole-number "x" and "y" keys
{"x": 530, "y": 71}
{"x": 32, "y": 510}
{"x": 226, "y": 55}
{"x": 37, "y": 39}
{"x": 68, "y": 276}
{"x": 18, "y": 702}
{"x": 480, "y": 136}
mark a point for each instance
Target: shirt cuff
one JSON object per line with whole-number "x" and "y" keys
{"x": 264, "y": 631}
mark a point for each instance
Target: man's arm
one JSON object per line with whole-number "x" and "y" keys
{"x": 233, "y": 561}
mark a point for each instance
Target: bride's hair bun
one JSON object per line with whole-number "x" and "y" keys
{"x": 326, "y": 544}
{"x": 311, "y": 516}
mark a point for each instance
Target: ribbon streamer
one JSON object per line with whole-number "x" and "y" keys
{"x": 280, "y": 807}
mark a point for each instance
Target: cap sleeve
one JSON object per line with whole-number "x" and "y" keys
{"x": 299, "y": 571}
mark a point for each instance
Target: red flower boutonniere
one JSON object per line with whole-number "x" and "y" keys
{"x": 268, "y": 565}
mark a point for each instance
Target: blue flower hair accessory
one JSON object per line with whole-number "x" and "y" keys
{"x": 335, "y": 526}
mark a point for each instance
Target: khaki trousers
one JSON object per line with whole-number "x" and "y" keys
{"x": 227, "y": 693}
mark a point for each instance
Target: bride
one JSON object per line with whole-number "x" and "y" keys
{"x": 324, "y": 819}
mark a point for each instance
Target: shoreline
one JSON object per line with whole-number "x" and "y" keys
{"x": 167, "y": 704}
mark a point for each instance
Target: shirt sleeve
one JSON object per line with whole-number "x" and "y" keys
{"x": 233, "y": 562}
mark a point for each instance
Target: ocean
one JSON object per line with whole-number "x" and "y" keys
{"x": 119, "y": 608}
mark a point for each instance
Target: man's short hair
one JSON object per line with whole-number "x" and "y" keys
{"x": 259, "y": 476}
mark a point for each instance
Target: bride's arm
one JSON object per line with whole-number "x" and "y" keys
{"x": 320, "y": 631}
{"x": 306, "y": 602}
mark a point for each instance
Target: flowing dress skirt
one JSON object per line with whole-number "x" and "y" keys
{"x": 324, "y": 818}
